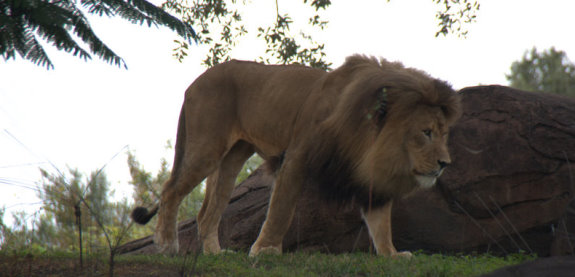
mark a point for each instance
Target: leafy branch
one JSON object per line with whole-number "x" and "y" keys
{"x": 455, "y": 16}
{"x": 285, "y": 48}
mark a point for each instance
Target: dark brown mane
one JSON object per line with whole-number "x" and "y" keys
{"x": 345, "y": 137}
{"x": 334, "y": 175}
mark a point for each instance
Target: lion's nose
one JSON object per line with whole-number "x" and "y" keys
{"x": 442, "y": 164}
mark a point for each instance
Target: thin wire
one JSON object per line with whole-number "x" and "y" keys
{"x": 480, "y": 227}
{"x": 32, "y": 152}
{"x": 22, "y": 165}
{"x": 497, "y": 221}
{"x": 512, "y": 226}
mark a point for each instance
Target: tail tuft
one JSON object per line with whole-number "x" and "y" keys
{"x": 142, "y": 216}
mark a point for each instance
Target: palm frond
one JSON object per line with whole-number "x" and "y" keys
{"x": 82, "y": 29}
{"x": 98, "y": 7}
{"x": 35, "y": 52}
{"x": 17, "y": 37}
{"x": 53, "y": 25}
{"x": 60, "y": 23}
{"x": 165, "y": 19}
{"x": 144, "y": 12}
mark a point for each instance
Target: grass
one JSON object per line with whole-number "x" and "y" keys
{"x": 239, "y": 264}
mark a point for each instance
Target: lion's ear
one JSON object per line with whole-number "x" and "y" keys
{"x": 378, "y": 110}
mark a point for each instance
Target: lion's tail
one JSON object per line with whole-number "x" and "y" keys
{"x": 142, "y": 215}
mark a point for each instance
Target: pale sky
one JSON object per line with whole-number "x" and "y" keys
{"x": 83, "y": 113}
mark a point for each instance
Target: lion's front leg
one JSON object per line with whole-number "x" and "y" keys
{"x": 378, "y": 221}
{"x": 281, "y": 209}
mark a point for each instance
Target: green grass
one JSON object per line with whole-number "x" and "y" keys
{"x": 239, "y": 264}
{"x": 357, "y": 264}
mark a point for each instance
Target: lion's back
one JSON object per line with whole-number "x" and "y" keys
{"x": 262, "y": 100}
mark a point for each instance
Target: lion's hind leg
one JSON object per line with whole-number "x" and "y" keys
{"x": 196, "y": 165}
{"x": 219, "y": 188}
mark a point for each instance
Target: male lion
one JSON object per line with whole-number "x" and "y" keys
{"x": 369, "y": 132}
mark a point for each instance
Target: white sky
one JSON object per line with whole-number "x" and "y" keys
{"x": 83, "y": 113}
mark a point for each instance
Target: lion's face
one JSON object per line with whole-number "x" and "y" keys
{"x": 410, "y": 152}
{"x": 426, "y": 145}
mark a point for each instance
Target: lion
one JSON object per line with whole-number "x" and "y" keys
{"x": 369, "y": 132}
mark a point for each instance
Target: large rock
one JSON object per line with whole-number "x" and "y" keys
{"x": 513, "y": 169}
{"x": 512, "y": 178}
{"x": 546, "y": 267}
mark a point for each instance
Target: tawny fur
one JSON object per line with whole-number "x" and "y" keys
{"x": 378, "y": 127}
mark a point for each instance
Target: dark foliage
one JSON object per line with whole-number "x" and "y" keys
{"x": 26, "y": 24}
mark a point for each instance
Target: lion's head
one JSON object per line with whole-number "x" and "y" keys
{"x": 389, "y": 129}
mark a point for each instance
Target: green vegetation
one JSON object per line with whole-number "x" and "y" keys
{"x": 544, "y": 71}
{"x": 249, "y": 167}
{"x": 74, "y": 203}
{"x": 239, "y": 264}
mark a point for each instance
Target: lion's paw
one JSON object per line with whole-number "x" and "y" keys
{"x": 269, "y": 250}
{"x": 402, "y": 255}
{"x": 169, "y": 248}
{"x": 220, "y": 252}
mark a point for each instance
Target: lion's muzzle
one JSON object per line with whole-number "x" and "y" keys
{"x": 428, "y": 180}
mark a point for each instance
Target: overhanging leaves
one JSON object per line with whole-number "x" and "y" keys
{"x": 24, "y": 24}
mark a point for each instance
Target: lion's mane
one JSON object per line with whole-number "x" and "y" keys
{"x": 339, "y": 157}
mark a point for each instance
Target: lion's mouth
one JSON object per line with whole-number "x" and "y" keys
{"x": 433, "y": 174}
{"x": 427, "y": 180}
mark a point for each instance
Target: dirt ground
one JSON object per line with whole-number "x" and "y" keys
{"x": 41, "y": 266}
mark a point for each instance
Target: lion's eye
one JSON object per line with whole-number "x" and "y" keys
{"x": 427, "y": 133}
